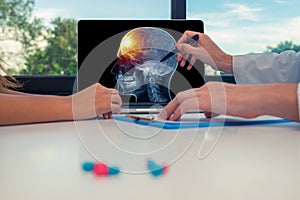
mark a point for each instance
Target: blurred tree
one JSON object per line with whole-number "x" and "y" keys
{"x": 19, "y": 30}
{"x": 59, "y": 56}
{"x": 283, "y": 46}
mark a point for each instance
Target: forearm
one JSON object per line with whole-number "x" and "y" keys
{"x": 21, "y": 109}
{"x": 280, "y": 100}
{"x": 224, "y": 63}
{"x": 264, "y": 99}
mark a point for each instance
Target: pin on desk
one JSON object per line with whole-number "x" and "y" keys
{"x": 147, "y": 118}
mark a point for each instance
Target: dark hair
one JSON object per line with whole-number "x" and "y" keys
{"x": 7, "y": 81}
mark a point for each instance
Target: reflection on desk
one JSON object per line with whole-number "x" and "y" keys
{"x": 43, "y": 161}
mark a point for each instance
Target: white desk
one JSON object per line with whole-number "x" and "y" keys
{"x": 43, "y": 162}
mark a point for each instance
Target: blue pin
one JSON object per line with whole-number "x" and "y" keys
{"x": 88, "y": 166}
{"x": 113, "y": 170}
{"x": 155, "y": 169}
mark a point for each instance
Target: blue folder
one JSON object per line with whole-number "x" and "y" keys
{"x": 196, "y": 124}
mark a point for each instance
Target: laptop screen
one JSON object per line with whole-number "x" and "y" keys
{"x": 126, "y": 54}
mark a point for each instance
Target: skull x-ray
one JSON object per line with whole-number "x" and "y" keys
{"x": 139, "y": 71}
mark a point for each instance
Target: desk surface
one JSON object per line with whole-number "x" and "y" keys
{"x": 43, "y": 161}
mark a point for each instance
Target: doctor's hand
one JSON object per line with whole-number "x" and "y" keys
{"x": 204, "y": 50}
{"x": 214, "y": 98}
{"x": 94, "y": 101}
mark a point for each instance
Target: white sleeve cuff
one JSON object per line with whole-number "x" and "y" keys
{"x": 298, "y": 96}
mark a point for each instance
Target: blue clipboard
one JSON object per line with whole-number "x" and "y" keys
{"x": 199, "y": 124}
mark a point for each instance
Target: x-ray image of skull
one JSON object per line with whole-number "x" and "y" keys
{"x": 139, "y": 71}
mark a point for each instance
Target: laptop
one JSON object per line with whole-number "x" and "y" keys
{"x": 125, "y": 55}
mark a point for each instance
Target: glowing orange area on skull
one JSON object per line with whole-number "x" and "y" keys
{"x": 127, "y": 42}
{"x": 130, "y": 46}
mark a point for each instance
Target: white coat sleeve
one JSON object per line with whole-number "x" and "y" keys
{"x": 267, "y": 68}
{"x": 298, "y": 94}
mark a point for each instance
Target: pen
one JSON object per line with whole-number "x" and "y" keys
{"x": 189, "y": 41}
{"x": 148, "y": 118}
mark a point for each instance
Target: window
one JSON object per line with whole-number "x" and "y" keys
{"x": 38, "y": 37}
{"x": 241, "y": 27}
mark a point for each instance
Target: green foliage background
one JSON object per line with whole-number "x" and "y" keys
{"x": 58, "y": 56}
{"x": 283, "y": 46}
